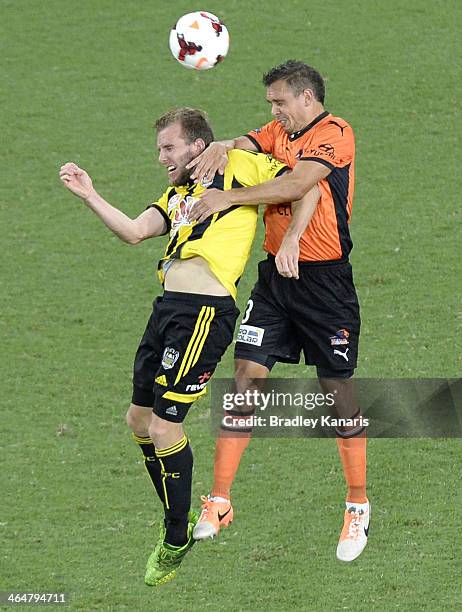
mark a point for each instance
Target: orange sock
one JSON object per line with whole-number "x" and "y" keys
{"x": 353, "y": 455}
{"x": 228, "y": 453}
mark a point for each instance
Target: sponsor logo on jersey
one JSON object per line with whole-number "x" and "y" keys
{"x": 341, "y": 337}
{"x": 196, "y": 387}
{"x": 203, "y": 381}
{"x": 162, "y": 380}
{"x": 327, "y": 148}
{"x": 173, "y": 202}
{"x": 180, "y": 207}
{"x": 321, "y": 151}
{"x": 342, "y": 354}
{"x": 169, "y": 358}
{"x": 249, "y": 334}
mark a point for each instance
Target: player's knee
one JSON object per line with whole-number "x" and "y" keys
{"x": 247, "y": 372}
{"x": 160, "y": 428}
{"x": 138, "y": 419}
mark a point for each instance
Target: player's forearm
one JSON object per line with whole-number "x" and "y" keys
{"x": 122, "y": 226}
{"x": 241, "y": 142}
{"x": 285, "y": 188}
{"x": 229, "y": 145}
{"x": 302, "y": 213}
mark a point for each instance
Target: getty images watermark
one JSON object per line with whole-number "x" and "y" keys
{"x": 260, "y": 403}
{"x": 301, "y": 408}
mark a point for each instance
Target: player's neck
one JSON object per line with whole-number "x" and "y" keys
{"x": 309, "y": 116}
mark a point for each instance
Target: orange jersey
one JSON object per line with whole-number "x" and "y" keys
{"x": 327, "y": 140}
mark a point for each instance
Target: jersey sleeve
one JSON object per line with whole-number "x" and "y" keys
{"x": 161, "y": 205}
{"x": 251, "y": 168}
{"x": 263, "y": 138}
{"x": 333, "y": 146}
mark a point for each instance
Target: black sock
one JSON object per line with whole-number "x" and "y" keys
{"x": 176, "y": 463}
{"x": 152, "y": 464}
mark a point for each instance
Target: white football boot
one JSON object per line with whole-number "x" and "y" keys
{"x": 353, "y": 538}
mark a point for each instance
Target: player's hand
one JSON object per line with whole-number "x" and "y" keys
{"x": 210, "y": 202}
{"x": 76, "y": 180}
{"x": 213, "y": 159}
{"x": 287, "y": 257}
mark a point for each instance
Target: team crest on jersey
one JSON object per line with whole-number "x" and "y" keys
{"x": 169, "y": 358}
{"x": 180, "y": 207}
{"x": 341, "y": 337}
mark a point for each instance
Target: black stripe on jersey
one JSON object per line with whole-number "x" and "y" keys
{"x": 164, "y": 215}
{"x": 282, "y": 171}
{"x": 255, "y": 142}
{"x": 324, "y": 162}
{"x": 228, "y": 210}
{"x": 234, "y": 185}
{"x": 170, "y": 194}
{"x": 339, "y": 180}
{"x": 198, "y": 230}
{"x": 172, "y": 245}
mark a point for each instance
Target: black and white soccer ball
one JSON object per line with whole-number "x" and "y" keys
{"x": 199, "y": 40}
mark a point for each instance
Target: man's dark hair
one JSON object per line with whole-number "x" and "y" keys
{"x": 194, "y": 124}
{"x": 298, "y": 76}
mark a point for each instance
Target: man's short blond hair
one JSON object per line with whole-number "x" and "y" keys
{"x": 194, "y": 123}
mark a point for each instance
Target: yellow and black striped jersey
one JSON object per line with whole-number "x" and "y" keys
{"x": 225, "y": 238}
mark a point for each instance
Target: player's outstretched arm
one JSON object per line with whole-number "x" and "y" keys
{"x": 289, "y": 187}
{"x": 214, "y": 158}
{"x": 150, "y": 223}
{"x": 289, "y": 251}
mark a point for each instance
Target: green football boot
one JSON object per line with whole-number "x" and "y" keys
{"x": 165, "y": 560}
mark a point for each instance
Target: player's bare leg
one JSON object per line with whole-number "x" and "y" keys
{"x": 217, "y": 510}
{"x": 351, "y": 442}
{"x": 138, "y": 419}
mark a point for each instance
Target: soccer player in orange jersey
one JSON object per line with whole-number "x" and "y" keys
{"x": 311, "y": 304}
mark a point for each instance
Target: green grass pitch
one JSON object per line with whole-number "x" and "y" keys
{"x": 84, "y": 82}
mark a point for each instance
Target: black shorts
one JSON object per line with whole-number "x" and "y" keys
{"x": 317, "y": 314}
{"x": 185, "y": 338}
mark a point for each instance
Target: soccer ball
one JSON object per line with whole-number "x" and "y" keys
{"x": 199, "y": 40}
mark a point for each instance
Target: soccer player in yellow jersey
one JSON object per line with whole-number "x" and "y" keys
{"x": 192, "y": 323}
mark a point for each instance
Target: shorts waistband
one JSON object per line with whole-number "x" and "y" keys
{"x": 330, "y": 263}
{"x": 199, "y": 298}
